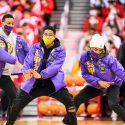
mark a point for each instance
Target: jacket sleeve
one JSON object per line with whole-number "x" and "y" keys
{"x": 28, "y": 61}
{"x": 116, "y": 67}
{"x": 25, "y": 45}
{"x": 6, "y": 57}
{"x": 54, "y": 68}
{"x": 86, "y": 75}
{"x": 22, "y": 49}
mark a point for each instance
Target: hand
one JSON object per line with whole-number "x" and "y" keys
{"x": 35, "y": 74}
{"x": 28, "y": 74}
{"x": 5, "y": 69}
{"x": 104, "y": 84}
{"x": 19, "y": 65}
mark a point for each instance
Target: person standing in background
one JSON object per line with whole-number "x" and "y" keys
{"x": 47, "y": 9}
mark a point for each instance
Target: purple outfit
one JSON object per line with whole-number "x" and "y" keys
{"x": 5, "y": 57}
{"x": 53, "y": 67}
{"x": 106, "y": 69}
{"x": 21, "y": 52}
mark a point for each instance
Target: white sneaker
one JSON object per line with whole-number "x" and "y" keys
{"x": 61, "y": 124}
{"x": 4, "y": 123}
{"x": 114, "y": 116}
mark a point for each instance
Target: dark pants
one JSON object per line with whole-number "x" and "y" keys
{"x": 9, "y": 88}
{"x": 4, "y": 103}
{"x": 39, "y": 89}
{"x": 90, "y": 92}
{"x": 122, "y": 95}
{"x": 105, "y": 109}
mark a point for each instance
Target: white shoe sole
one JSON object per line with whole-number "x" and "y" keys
{"x": 5, "y": 123}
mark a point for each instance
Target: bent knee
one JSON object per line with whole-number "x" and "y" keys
{"x": 72, "y": 109}
{"x": 113, "y": 105}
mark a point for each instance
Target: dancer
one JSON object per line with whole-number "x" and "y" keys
{"x": 44, "y": 76}
{"x": 103, "y": 73}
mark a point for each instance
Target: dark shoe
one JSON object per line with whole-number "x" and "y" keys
{"x": 65, "y": 122}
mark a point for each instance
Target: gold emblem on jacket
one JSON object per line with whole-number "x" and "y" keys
{"x": 102, "y": 68}
{"x": 37, "y": 59}
{"x": 90, "y": 67}
{"x": 2, "y": 44}
{"x": 10, "y": 48}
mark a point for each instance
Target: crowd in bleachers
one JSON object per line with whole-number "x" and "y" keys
{"x": 106, "y": 17}
{"x": 30, "y": 16}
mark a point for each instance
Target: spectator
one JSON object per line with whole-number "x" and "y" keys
{"x": 4, "y": 7}
{"x": 93, "y": 22}
{"x": 47, "y": 8}
{"x": 114, "y": 21}
{"x": 114, "y": 7}
{"x": 113, "y": 41}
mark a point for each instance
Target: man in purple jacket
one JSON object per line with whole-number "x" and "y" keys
{"x": 103, "y": 73}
{"x": 44, "y": 76}
{"x": 15, "y": 46}
{"x": 6, "y": 58}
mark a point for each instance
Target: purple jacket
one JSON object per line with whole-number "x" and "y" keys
{"x": 21, "y": 50}
{"x": 5, "y": 57}
{"x": 53, "y": 67}
{"x": 106, "y": 69}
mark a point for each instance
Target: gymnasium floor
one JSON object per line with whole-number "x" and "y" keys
{"x": 57, "y": 121}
